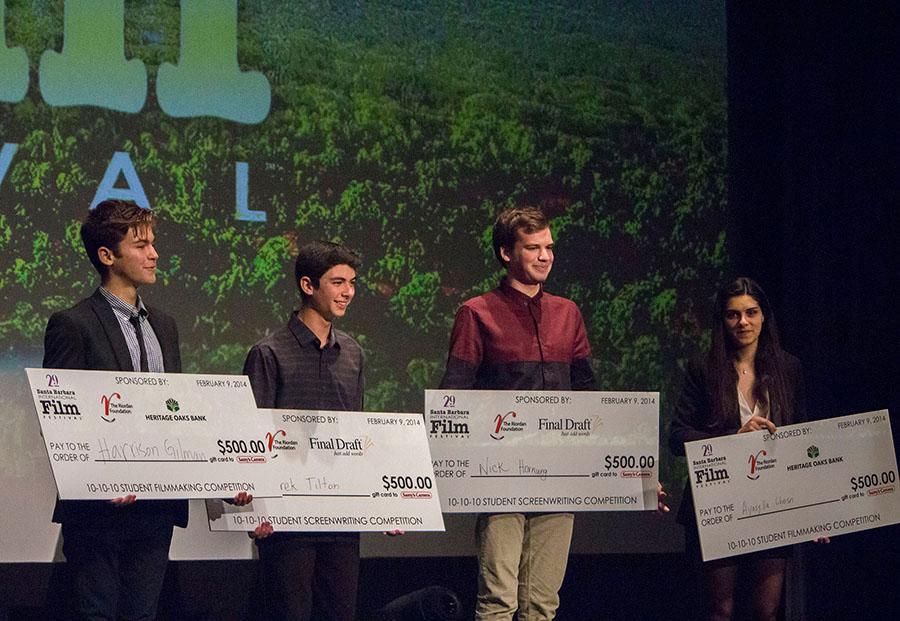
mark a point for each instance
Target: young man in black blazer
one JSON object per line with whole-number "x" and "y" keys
{"x": 117, "y": 550}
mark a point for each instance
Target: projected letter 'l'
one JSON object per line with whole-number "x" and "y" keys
{"x": 92, "y": 69}
{"x": 13, "y": 66}
{"x": 207, "y": 80}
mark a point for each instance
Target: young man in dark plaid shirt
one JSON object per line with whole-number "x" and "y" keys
{"x": 310, "y": 365}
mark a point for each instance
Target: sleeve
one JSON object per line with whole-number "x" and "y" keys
{"x": 582, "y": 376}
{"x": 262, "y": 369}
{"x": 63, "y": 344}
{"x": 466, "y": 351}
{"x": 692, "y": 406}
{"x": 801, "y": 415}
{"x": 176, "y": 349}
{"x": 361, "y": 381}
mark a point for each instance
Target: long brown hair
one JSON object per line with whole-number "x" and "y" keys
{"x": 770, "y": 387}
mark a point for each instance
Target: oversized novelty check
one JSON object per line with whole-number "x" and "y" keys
{"x": 154, "y": 435}
{"x": 754, "y": 491}
{"x": 344, "y": 471}
{"x": 502, "y": 451}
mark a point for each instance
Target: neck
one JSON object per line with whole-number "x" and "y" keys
{"x": 746, "y": 355}
{"x": 123, "y": 291}
{"x": 530, "y": 290}
{"x": 317, "y": 324}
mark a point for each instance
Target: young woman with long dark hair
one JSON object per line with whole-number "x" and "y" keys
{"x": 745, "y": 383}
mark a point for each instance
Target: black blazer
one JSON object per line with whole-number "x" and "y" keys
{"x": 692, "y": 413}
{"x": 88, "y": 336}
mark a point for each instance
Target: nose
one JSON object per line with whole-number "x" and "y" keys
{"x": 151, "y": 252}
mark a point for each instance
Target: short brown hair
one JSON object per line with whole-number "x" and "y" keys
{"x": 108, "y": 223}
{"x": 317, "y": 257}
{"x": 511, "y": 221}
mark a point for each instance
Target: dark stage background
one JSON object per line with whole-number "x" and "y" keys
{"x": 812, "y": 195}
{"x": 813, "y": 199}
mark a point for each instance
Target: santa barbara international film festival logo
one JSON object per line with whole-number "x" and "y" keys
{"x": 448, "y": 421}
{"x": 758, "y": 462}
{"x": 506, "y": 423}
{"x": 56, "y": 401}
{"x": 113, "y": 406}
{"x": 710, "y": 469}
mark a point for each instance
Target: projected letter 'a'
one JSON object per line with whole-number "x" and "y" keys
{"x": 13, "y": 66}
{"x": 207, "y": 80}
{"x": 92, "y": 69}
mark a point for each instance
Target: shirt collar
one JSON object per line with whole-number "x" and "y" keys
{"x": 306, "y": 337}
{"x": 122, "y": 307}
{"x": 517, "y": 296}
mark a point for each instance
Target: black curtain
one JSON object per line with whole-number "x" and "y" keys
{"x": 813, "y": 199}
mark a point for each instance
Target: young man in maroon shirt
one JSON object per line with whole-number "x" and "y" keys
{"x": 518, "y": 337}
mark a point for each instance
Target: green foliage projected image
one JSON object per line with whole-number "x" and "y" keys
{"x": 400, "y": 129}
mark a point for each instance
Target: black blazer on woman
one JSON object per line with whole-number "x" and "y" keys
{"x": 690, "y": 420}
{"x": 88, "y": 336}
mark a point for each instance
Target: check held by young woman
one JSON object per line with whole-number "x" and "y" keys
{"x": 760, "y": 490}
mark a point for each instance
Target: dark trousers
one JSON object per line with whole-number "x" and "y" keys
{"x": 117, "y": 570}
{"x": 307, "y": 579}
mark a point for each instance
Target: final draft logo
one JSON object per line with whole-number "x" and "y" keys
{"x": 506, "y": 423}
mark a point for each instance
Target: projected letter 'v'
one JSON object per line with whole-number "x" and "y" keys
{"x": 207, "y": 80}
{"x": 92, "y": 69}
{"x": 13, "y": 66}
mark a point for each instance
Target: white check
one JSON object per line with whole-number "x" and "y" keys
{"x": 344, "y": 471}
{"x": 503, "y": 451}
{"x": 754, "y": 491}
{"x": 154, "y": 435}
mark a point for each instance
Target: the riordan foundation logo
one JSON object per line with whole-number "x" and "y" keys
{"x": 113, "y": 407}
{"x": 278, "y": 441}
{"x": 506, "y": 423}
{"x": 758, "y": 462}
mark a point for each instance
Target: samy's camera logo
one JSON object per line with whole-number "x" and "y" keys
{"x": 506, "y": 423}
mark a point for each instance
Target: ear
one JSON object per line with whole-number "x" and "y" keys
{"x": 306, "y": 286}
{"x": 107, "y": 256}
{"x": 504, "y": 254}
